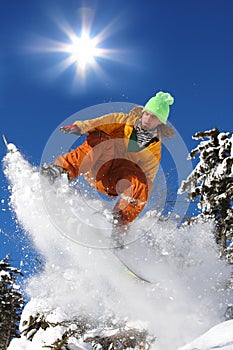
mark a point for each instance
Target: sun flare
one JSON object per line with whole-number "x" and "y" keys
{"x": 84, "y": 51}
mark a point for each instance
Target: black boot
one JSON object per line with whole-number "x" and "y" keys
{"x": 52, "y": 172}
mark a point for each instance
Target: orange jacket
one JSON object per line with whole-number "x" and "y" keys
{"x": 119, "y": 126}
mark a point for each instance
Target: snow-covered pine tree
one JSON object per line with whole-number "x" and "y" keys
{"x": 211, "y": 183}
{"x": 77, "y": 332}
{"x": 11, "y": 303}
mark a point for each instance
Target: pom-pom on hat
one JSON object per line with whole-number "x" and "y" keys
{"x": 159, "y": 105}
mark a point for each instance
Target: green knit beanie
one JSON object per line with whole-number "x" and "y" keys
{"x": 159, "y": 105}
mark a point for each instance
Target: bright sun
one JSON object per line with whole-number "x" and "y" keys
{"x": 83, "y": 51}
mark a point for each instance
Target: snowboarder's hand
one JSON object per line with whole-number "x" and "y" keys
{"x": 71, "y": 129}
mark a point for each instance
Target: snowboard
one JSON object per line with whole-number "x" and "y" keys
{"x": 129, "y": 270}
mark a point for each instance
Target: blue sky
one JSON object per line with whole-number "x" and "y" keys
{"x": 185, "y": 47}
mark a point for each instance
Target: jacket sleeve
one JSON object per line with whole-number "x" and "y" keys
{"x": 107, "y": 123}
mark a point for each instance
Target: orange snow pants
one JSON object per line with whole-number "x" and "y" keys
{"x": 111, "y": 175}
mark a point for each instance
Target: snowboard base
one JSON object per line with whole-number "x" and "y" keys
{"x": 130, "y": 271}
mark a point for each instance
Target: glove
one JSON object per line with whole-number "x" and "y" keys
{"x": 71, "y": 129}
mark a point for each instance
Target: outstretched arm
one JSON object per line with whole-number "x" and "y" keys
{"x": 106, "y": 123}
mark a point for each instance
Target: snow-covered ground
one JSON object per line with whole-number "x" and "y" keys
{"x": 82, "y": 277}
{"x": 219, "y": 337}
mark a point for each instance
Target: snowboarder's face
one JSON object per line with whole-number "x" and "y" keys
{"x": 149, "y": 120}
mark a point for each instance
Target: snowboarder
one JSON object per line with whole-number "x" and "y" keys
{"x": 120, "y": 156}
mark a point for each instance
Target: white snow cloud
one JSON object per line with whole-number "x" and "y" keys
{"x": 186, "y": 297}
